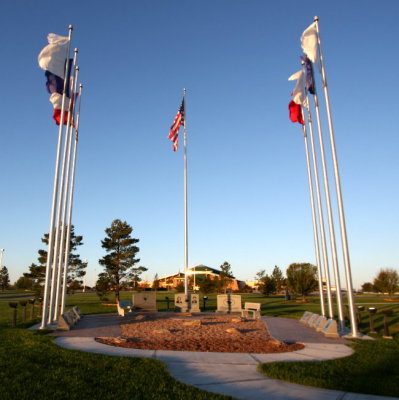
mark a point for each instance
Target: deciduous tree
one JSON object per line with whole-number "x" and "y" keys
{"x": 387, "y": 281}
{"x": 302, "y": 278}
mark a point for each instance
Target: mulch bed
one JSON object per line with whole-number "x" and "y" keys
{"x": 206, "y": 333}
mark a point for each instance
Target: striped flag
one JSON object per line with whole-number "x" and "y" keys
{"x": 174, "y": 129}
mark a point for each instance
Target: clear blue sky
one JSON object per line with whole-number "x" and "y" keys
{"x": 248, "y": 193}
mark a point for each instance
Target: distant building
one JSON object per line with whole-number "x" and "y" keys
{"x": 197, "y": 273}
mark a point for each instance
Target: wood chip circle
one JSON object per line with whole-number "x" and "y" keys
{"x": 209, "y": 333}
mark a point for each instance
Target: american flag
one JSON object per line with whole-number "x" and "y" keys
{"x": 174, "y": 129}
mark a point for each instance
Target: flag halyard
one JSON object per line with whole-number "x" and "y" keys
{"x": 177, "y": 123}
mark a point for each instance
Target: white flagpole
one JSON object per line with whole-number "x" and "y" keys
{"x": 47, "y": 311}
{"x": 344, "y": 238}
{"x": 71, "y": 192}
{"x": 185, "y": 200}
{"x": 64, "y": 246}
{"x": 59, "y": 239}
{"x": 320, "y": 214}
{"x": 315, "y": 229}
{"x": 330, "y": 217}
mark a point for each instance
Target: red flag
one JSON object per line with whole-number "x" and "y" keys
{"x": 295, "y": 112}
{"x": 177, "y": 123}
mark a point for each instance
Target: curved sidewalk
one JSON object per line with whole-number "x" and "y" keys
{"x": 233, "y": 374}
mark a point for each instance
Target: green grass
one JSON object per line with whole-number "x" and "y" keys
{"x": 373, "y": 369}
{"x": 33, "y": 367}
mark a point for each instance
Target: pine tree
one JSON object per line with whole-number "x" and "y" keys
{"x": 76, "y": 267}
{"x": 120, "y": 260}
{"x": 278, "y": 277}
{"x": 226, "y": 276}
{"x": 4, "y": 278}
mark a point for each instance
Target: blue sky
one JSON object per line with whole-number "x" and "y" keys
{"x": 248, "y": 193}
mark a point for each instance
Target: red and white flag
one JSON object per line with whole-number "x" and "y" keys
{"x": 177, "y": 123}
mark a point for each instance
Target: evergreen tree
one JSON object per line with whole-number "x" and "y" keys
{"x": 207, "y": 285}
{"x": 76, "y": 267}
{"x": 4, "y": 278}
{"x": 155, "y": 283}
{"x": 278, "y": 277}
{"x": 268, "y": 285}
{"x": 120, "y": 260}
{"x": 226, "y": 276}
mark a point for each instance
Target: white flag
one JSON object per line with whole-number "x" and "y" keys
{"x": 52, "y": 58}
{"x": 309, "y": 42}
{"x": 299, "y": 95}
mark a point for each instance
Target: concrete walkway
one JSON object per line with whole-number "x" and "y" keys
{"x": 233, "y": 374}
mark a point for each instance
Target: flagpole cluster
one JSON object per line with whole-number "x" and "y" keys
{"x": 311, "y": 45}
{"x": 54, "y": 58}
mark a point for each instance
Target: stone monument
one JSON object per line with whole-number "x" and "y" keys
{"x": 305, "y": 317}
{"x": 145, "y": 301}
{"x": 229, "y": 303}
{"x": 331, "y": 329}
{"x": 187, "y": 303}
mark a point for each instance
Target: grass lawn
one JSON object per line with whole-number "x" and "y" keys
{"x": 373, "y": 369}
{"x": 33, "y": 367}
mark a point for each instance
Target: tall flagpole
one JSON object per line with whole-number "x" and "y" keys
{"x": 47, "y": 311}
{"x": 344, "y": 238}
{"x": 330, "y": 217}
{"x": 185, "y": 200}
{"x": 70, "y": 203}
{"x": 64, "y": 226}
{"x": 315, "y": 230}
{"x": 320, "y": 214}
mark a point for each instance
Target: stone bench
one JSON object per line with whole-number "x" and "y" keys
{"x": 253, "y": 308}
{"x": 124, "y": 307}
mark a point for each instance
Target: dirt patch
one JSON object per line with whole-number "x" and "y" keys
{"x": 216, "y": 333}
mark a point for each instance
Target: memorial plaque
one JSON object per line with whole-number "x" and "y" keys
{"x": 229, "y": 303}
{"x": 312, "y": 320}
{"x": 320, "y": 323}
{"x": 331, "y": 329}
{"x": 63, "y": 324}
{"x": 194, "y": 303}
{"x": 77, "y": 312}
{"x": 145, "y": 301}
{"x": 305, "y": 317}
{"x": 189, "y": 303}
{"x": 181, "y": 302}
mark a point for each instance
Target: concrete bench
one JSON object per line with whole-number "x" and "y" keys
{"x": 253, "y": 308}
{"x": 124, "y": 307}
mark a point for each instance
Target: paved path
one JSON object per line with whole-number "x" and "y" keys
{"x": 234, "y": 374}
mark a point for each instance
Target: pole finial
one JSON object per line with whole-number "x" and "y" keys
{"x": 77, "y": 68}
{"x": 315, "y": 18}
{"x": 70, "y": 27}
{"x": 81, "y": 85}
{"x": 76, "y": 50}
